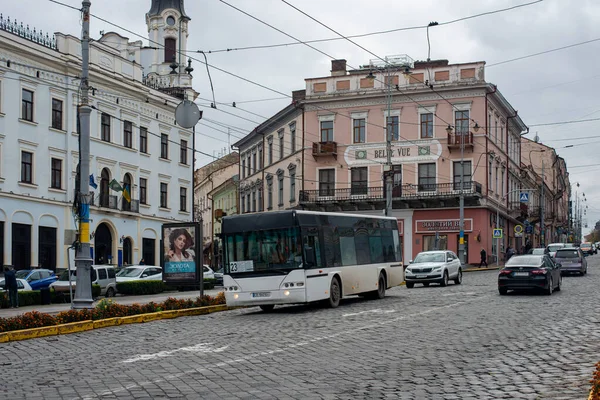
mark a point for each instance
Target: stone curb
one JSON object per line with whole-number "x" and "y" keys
{"x": 82, "y": 326}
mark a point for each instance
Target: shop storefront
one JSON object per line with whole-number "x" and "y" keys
{"x": 440, "y": 230}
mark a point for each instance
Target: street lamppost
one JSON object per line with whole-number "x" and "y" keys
{"x": 461, "y": 241}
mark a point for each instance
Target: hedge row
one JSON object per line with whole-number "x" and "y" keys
{"x": 152, "y": 287}
{"x": 34, "y": 297}
{"x": 106, "y": 308}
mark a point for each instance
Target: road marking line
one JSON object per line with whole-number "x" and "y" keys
{"x": 252, "y": 357}
{"x": 376, "y": 311}
{"x": 199, "y": 348}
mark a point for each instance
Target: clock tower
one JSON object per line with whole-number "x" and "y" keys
{"x": 168, "y": 31}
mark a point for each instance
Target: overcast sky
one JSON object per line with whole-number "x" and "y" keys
{"x": 557, "y": 86}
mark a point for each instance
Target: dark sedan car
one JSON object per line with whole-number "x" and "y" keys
{"x": 534, "y": 272}
{"x": 572, "y": 261}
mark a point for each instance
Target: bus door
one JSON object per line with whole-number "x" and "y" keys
{"x": 317, "y": 283}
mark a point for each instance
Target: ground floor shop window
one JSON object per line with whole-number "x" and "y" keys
{"x": 430, "y": 243}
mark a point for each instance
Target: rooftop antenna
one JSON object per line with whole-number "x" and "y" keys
{"x": 536, "y": 138}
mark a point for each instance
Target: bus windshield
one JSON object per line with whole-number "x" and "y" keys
{"x": 274, "y": 250}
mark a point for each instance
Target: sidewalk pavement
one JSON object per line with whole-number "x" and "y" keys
{"x": 54, "y": 309}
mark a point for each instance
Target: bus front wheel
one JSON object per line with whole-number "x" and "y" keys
{"x": 335, "y": 293}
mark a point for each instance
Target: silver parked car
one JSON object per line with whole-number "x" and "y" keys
{"x": 434, "y": 267}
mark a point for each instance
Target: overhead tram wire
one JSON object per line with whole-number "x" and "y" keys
{"x": 220, "y": 69}
{"x": 217, "y": 68}
{"x": 333, "y": 58}
{"x": 369, "y": 33}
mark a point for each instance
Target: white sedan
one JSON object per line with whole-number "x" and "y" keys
{"x": 434, "y": 267}
{"x": 140, "y": 273}
{"x": 22, "y": 285}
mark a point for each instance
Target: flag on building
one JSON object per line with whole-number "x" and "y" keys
{"x": 92, "y": 183}
{"x": 126, "y": 194}
{"x": 114, "y": 185}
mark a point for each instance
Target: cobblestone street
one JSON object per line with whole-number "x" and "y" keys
{"x": 458, "y": 342}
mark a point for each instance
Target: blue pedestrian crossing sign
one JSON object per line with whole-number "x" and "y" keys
{"x": 524, "y": 197}
{"x": 497, "y": 233}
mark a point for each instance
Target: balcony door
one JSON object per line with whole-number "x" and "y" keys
{"x": 359, "y": 181}
{"x": 126, "y": 186}
{"x": 327, "y": 182}
{"x": 397, "y": 181}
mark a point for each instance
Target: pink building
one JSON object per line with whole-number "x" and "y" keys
{"x": 436, "y": 108}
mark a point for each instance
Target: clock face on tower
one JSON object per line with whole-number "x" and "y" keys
{"x": 170, "y": 21}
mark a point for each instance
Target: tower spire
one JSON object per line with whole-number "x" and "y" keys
{"x": 158, "y": 6}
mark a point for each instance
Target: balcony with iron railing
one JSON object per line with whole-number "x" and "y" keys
{"x": 320, "y": 149}
{"x": 404, "y": 196}
{"x": 456, "y": 139}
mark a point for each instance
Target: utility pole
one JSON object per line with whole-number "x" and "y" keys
{"x": 461, "y": 203}
{"x": 389, "y": 131}
{"x": 542, "y": 209}
{"x": 83, "y": 262}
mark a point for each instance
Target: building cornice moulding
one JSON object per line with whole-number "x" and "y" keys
{"x": 332, "y": 104}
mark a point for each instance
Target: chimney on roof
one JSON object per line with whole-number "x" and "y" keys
{"x": 338, "y": 67}
{"x": 298, "y": 95}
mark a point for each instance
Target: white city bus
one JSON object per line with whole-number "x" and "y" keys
{"x": 291, "y": 257}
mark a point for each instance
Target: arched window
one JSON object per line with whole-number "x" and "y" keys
{"x": 170, "y": 49}
{"x": 104, "y": 181}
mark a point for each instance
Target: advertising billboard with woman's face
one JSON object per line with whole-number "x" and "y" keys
{"x": 181, "y": 261}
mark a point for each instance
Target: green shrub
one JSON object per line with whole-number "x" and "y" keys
{"x": 30, "y": 298}
{"x": 140, "y": 287}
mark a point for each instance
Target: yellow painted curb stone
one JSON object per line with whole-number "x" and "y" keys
{"x": 155, "y": 316}
{"x": 168, "y": 314}
{"x": 132, "y": 319}
{"x": 33, "y": 333}
{"x": 4, "y": 337}
{"x": 75, "y": 327}
{"x": 104, "y": 323}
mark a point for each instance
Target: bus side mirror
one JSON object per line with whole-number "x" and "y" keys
{"x": 309, "y": 256}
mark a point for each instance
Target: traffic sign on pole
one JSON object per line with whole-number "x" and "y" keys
{"x": 524, "y": 197}
{"x": 497, "y": 233}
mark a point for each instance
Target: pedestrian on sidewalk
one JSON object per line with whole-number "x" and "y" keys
{"x": 509, "y": 253}
{"x": 483, "y": 258}
{"x": 10, "y": 280}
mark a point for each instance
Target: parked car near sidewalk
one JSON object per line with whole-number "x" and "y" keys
{"x": 37, "y": 278}
{"x": 552, "y": 247}
{"x": 571, "y": 260}
{"x": 102, "y": 275}
{"x": 22, "y": 284}
{"x": 140, "y": 273}
{"x": 433, "y": 267}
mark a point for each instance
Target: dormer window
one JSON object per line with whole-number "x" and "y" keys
{"x": 170, "y": 20}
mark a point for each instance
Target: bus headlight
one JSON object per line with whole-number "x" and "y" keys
{"x": 235, "y": 296}
{"x": 286, "y": 293}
